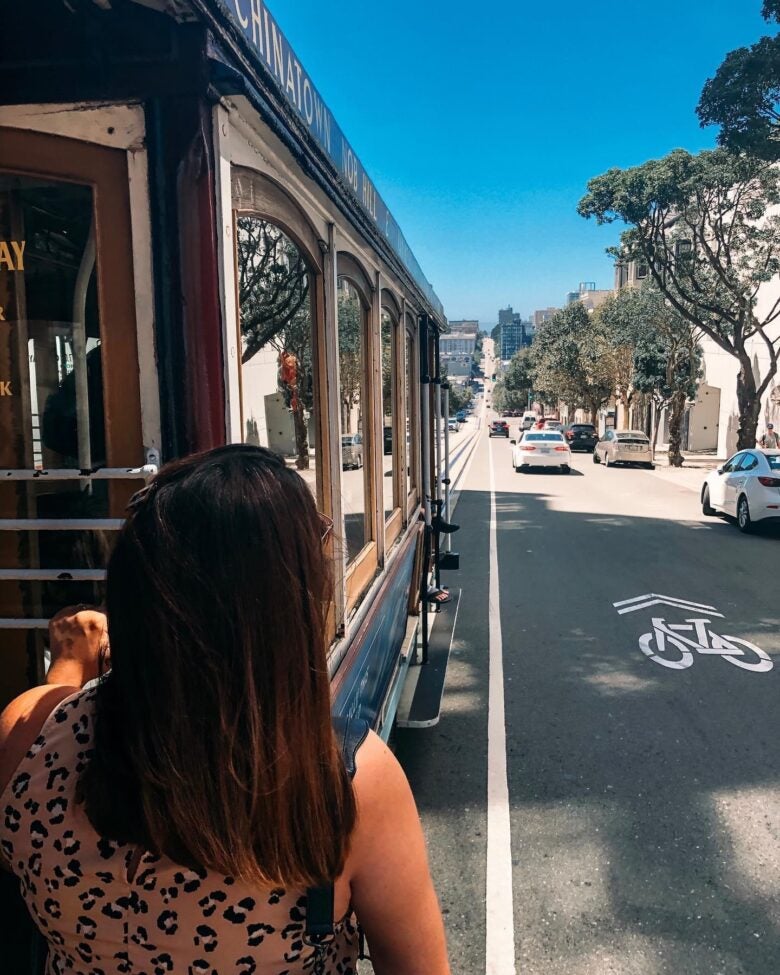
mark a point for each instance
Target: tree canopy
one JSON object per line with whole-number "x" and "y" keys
{"x": 706, "y": 228}
{"x": 743, "y": 97}
{"x": 572, "y": 360}
{"x": 513, "y": 388}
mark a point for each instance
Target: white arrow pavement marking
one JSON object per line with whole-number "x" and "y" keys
{"x": 624, "y": 606}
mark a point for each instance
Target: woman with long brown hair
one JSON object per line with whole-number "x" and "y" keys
{"x": 182, "y": 814}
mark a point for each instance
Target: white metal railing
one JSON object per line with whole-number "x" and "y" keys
{"x": 61, "y": 524}
{"x": 71, "y": 474}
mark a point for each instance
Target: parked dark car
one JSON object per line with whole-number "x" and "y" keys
{"x": 499, "y": 428}
{"x": 581, "y": 436}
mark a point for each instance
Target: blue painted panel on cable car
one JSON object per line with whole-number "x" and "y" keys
{"x": 271, "y": 48}
{"x": 364, "y": 689}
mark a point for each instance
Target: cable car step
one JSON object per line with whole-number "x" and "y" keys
{"x": 420, "y": 705}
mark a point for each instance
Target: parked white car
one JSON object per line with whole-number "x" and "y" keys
{"x": 747, "y": 487}
{"x": 352, "y": 451}
{"x": 624, "y": 447}
{"x": 453, "y": 425}
{"x": 541, "y": 448}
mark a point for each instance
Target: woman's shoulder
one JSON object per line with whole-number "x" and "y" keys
{"x": 379, "y": 782}
{"x": 22, "y": 721}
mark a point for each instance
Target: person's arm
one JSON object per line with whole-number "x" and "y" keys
{"x": 78, "y": 640}
{"x": 392, "y": 890}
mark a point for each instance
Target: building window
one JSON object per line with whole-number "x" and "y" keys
{"x": 641, "y": 272}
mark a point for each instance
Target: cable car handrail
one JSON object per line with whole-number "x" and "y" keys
{"x": 24, "y": 624}
{"x": 74, "y": 474}
{"x": 61, "y": 524}
{"x": 52, "y": 575}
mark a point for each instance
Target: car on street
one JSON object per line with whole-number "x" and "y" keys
{"x": 453, "y": 425}
{"x": 746, "y": 487}
{"x": 581, "y": 436}
{"x": 529, "y": 418}
{"x": 624, "y": 447}
{"x": 550, "y": 423}
{"x": 541, "y": 448}
{"x": 498, "y": 428}
{"x": 460, "y": 416}
{"x": 352, "y": 451}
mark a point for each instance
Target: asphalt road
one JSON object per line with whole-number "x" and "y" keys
{"x": 644, "y": 801}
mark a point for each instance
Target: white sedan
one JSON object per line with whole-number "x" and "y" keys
{"x": 541, "y": 448}
{"x": 746, "y": 487}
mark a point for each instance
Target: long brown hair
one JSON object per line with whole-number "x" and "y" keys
{"x": 213, "y": 739}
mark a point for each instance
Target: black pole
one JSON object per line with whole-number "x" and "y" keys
{"x": 424, "y": 448}
{"x": 438, "y": 502}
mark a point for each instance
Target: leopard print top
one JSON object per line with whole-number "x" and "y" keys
{"x": 98, "y": 920}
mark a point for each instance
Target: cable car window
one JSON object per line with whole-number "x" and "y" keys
{"x": 354, "y": 420}
{"x": 411, "y": 429}
{"x": 278, "y": 395}
{"x": 51, "y": 390}
{"x": 389, "y": 449}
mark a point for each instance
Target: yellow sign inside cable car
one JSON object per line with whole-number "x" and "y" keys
{"x": 12, "y": 255}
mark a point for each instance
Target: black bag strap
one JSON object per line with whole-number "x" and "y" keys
{"x": 350, "y": 733}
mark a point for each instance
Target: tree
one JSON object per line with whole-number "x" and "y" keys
{"x": 350, "y": 355}
{"x": 273, "y": 295}
{"x": 662, "y": 345}
{"x": 743, "y": 97}
{"x": 703, "y": 226}
{"x": 460, "y": 397}
{"x": 273, "y": 283}
{"x": 512, "y": 390}
{"x": 572, "y": 361}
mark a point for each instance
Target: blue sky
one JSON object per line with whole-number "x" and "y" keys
{"x": 480, "y": 124}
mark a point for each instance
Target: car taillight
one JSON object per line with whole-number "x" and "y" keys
{"x": 569, "y": 435}
{"x": 526, "y": 447}
{"x": 561, "y": 448}
{"x": 769, "y": 481}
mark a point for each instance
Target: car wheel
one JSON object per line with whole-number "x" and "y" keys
{"x": 606, "y": 460}
{"x": 706, "y": 507}
{"x": 744, "y": 523}
{"x": 596, "y": 458}
{"x": 565, "y": 469}
{"x": 650, "y": 467}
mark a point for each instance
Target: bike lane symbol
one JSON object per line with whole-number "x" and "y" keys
{"x": 673, "y": 645}
{"x": 666, "y": 646}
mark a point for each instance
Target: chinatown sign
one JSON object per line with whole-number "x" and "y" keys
{"x": 274, "y": 51}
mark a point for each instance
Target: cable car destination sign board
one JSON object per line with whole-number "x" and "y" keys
{"x": 269, "y": 44}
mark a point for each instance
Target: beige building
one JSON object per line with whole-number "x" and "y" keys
{"x": 543, "y": 315}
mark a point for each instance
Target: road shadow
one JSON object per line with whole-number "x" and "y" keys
{"x": 645, "y": 801}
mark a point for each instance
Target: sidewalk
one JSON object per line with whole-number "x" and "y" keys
{"x": 691, "y": 475}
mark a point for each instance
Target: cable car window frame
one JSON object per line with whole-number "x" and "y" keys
{"x": 254, "y": 194}
{"x": 363, "y": 568}
{"x": 394, "y": 520}
{"x": 412, "y": 372}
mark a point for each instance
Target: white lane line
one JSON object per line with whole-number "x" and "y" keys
{"x": 499, "y": 903}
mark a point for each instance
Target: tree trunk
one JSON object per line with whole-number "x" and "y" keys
{"x": 749, "y": 405}
{"x": 594, "y": 415}
{"x": 301, "y": 437}
{"x": 676, "y": 413}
